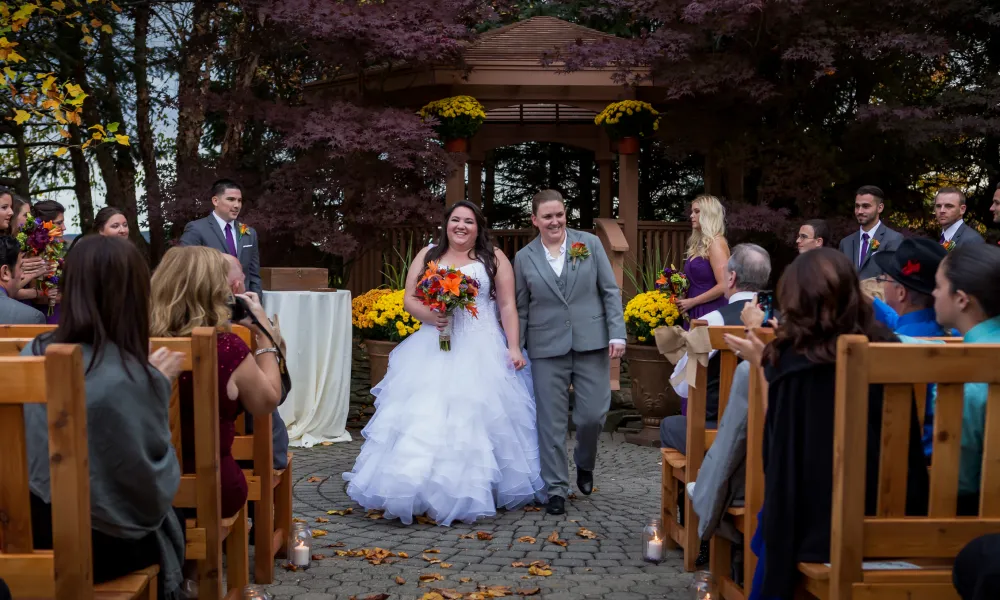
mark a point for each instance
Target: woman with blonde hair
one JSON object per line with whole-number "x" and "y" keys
{"x": 190, "y": 289}
{"x": 705, "y": 259}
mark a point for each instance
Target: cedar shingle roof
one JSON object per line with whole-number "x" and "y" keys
{"x": 530, "y": 40}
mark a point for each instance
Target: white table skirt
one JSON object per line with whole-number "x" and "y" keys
{"x": 317, "y": 329}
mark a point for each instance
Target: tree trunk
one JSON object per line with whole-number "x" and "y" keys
{"x": 246, "y": 54}
{"x": 81, "y": 180}
{"x": 144, "y": 130}
{"x": 191, "y": 89}
{"x": 23, "y": 186}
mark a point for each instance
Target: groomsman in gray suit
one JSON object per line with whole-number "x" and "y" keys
{"x": 949, "y": 209}
{"x": 572, "y": 325}
{"x": 874, "y": 235}
{"x": 13, "y": 312}
{"x": 221, "y": 230}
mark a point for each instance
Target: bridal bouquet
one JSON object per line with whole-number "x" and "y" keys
{"x": 445, "y": 290}
{"x": 673, "y": 283}
{"x": 44, "y": 239}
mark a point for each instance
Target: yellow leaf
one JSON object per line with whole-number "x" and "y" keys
{"x": 61, "y": 151}
{"x": 122, "y": 139}
{"x": 74, "y": 15}
{"x": 88, "y": 40}
{"x": 65, "y": 133}
{"x": 21, "y": 116}
{"x": 106, "y": 28}
{"x": 84, "y": 29}
{"x": 97, "y": 127}
{"x": 86, "y": 144}
{"x": 50, "y": 104}
{"x": 14, "y": 57}
{"x": 95, "y": 23}
{"x": 58, "y": 116}
{"x": 97, "y": 135}
{"x": 24, "y": 11}
{"x": 115, "y": 7}
{"x": 10, "y": 72}
{"x": 57, "y": 5}
{"x": 73, "y": 90}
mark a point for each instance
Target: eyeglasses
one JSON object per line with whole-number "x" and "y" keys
{"x": 883, "y": 279}
{"x": 805, "y": 237}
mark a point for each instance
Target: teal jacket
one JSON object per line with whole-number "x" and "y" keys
{"x": 973, "y": 410}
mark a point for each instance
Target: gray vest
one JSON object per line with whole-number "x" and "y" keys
{"x": 561, "y": 280}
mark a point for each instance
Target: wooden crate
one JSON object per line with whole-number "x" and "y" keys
{"x": 293, "y": 279}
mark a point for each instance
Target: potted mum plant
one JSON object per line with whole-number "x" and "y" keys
{"x": 627, "y": 121}
{"x": 457, "y": 119}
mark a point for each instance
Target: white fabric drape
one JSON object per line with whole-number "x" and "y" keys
{"x": 317, "y": 329}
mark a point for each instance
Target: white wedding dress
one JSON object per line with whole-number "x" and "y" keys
{"x": 453, "y": 435}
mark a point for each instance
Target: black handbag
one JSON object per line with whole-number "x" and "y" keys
{"x": 286, "y": 379}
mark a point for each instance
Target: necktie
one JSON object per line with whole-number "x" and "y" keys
{"x": 864, "y": 249}
{"x": 230, "y": 242}
{"x": 941, "y": 241}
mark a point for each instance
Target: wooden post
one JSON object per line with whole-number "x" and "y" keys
{"x": 455, "y": 190}
{"x": 628, "y": 206}
{"x": 476, "y": 182}
{"x": 604, "y": 175}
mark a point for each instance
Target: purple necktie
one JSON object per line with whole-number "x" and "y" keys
{"x": 941, "y": 241}
{"x": 864, "y": 249}
{"x": 232, "y": 243}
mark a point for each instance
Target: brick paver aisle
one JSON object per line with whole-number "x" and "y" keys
{"x": 609, "y": 567}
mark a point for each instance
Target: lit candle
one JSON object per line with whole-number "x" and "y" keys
{"x": 300, "y": 555}
{"x": 654, "y": 549}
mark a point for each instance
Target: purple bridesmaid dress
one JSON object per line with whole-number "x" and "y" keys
{"x": 699, "y": 273}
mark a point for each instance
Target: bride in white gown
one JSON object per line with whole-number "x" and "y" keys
{"x": 453, "y": 435}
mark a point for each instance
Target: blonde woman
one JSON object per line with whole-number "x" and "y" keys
{"x": 705, "y": 260}
{"x": 191, "y": 289}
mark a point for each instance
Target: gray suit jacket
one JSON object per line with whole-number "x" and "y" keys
{"x": 13, "y": 312}
{"x": 967, "y": 235}
{"x": 851, "y": 246}
{"x": 585, "y": 319}
{"x": 206, "y": 232}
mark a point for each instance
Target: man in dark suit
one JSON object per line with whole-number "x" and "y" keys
{"x": 14, "y": 312}
{"x": 221, "y": 230}
{"x": 949, "y": 209}
{"x": 874, "y": 235}
{"x": 746, "y": 273}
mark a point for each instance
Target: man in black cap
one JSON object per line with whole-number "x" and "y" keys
{"x": 908, "y": 280}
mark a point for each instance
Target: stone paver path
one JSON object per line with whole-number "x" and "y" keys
{"x": 608, "y": 567}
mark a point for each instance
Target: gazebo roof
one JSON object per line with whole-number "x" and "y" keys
{"x": 529, "y": 40}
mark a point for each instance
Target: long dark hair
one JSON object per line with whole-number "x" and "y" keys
{"x": 105, "y": 300}
{"x": 483, "y": 251}
{"x": 821, "y": 299}
{"x": 975, "y": 269}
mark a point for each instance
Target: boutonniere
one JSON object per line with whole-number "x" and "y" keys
{"x": 874, "y": 247}
{"x": 949, "y": 245}
{"x": 578, "y": 251}
{"x": 244, "y": 229}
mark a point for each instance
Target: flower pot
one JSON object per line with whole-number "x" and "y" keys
{"x": 378, "y": 359}
{"x": 652, "y": 394}
{"x": 628, "y": 145}
{"x": 457, "y": 145}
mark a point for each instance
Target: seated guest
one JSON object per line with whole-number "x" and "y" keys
{"x": 976, "y": 575}
{"x": 821, "y": 299}
{"x": 190, "y": 290}
{"x": 746, "y": 273}
{"x": 813, "y": 234}
{"x": 134, "y": 473}
{"x": 13, "y": 312}
{"x": 967, "y": 298}
{"x": 908, "y": 282}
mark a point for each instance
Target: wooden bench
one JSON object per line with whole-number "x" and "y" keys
{"x": 66, "y": 571}
{"x": 931, "y": 542}
{"x": 679, "y": 469}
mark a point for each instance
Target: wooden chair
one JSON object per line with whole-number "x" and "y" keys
{"x": 66, "y": 571}
{"x": 930, "y": 542}
{"x": 678, "y": 469}
{"x": 273, "y": 495}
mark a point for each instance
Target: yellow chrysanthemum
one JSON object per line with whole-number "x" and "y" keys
{"x": 648, "y": 311}
{"x": 379, "y": 315}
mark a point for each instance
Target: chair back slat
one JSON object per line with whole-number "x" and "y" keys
{"x": 29, "y": 389}
{"x": 947, "y": 450}
{"x": 934, "y": 363}
{"x": 989, "y": 489}
{"x": 923, "y": 537}
{"x": 15, "y": 527}
{"x": 893, "y": 458}
{"x": 24, "y": 331}
{"x": 754, "y": 495}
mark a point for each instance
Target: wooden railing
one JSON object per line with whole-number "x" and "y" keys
{"x": 367, "y": 271}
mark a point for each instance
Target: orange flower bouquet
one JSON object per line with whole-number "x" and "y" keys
{"x": 445, "y": 289}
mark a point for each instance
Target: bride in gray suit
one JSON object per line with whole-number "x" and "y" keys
{"x": 570, "y": 312}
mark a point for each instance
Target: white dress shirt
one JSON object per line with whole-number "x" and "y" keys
{"x": 714, "y": 319}
{"x": 558, "y": 262}
{"x": 222, "y": 225}
{"x": 951, "y": 230}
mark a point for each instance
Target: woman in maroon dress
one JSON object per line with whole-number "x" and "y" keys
{"x": 705, "y": 259}
{"x": 190, "y": 290}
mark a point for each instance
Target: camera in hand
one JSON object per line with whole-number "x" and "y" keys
{"x": 238, "y": 308}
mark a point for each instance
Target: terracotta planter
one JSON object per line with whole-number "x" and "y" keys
{"x": 628, "y": 145}
{"x": 378, "y": 359}
{"x": 651, "y": 392}
{"x": 457, "y": 145}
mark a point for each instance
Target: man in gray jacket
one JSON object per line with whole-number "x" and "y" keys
{"x": 873, "y": 235}
{"x": 572, "y": 325}
{"x": 13, "y": 312}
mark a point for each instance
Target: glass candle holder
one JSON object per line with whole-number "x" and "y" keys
{"x": 652, "y": 542}
{"x": 701, "y": 587}
{"x": 300, "y": 546}
{"x": 255, "y": 592}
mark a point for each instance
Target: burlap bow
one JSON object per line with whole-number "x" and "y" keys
{"x": 674, "y": 342}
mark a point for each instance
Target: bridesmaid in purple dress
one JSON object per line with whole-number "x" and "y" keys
{"x": 707, "y": 253}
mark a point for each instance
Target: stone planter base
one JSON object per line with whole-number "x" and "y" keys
{"x": 378, "y": 358}
{"x": 651, "y": 392}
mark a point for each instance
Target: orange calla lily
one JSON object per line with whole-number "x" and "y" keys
{"x": 452, "y": 284}
{"x": 48, "y": 225}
